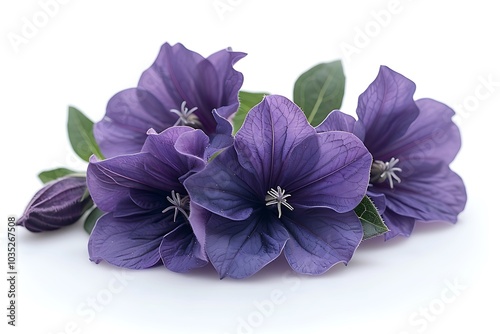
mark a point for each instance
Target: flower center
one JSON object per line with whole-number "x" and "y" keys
{"x": 178, "y": 204}
{"x": 278, "y": 197}
{"x": 187, "y": 116}
{"x": 382, "y": 171}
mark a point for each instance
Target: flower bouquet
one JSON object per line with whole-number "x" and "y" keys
{"x": 187, "y": 170}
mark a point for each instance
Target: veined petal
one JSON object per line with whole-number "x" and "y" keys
{"x": 129, "y": 114}
{"x": 128, "y": 243}
{"x": 172, "y": 76}
{"x": 222, "y": 138}
{"x": 180, "y": 251}
{"x": 320, "y": 238}
{"x": 224, "y": 187}
{"x": 270, "y": 132}
{"x": 180, "y": 147}
{"x": 397, "y": 224}
{"x": 231, "y": 80}
{"x": 333, "y": 173}
{"x": 385, "y": 110}
{"x": 432, "y": 137}
{"x": 239, "y": 249}
{"x": 434, "y": 192}
{"x": 337, "y": 121}
{"x": 109, "y": 180}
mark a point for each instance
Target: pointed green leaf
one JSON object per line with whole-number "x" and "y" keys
{"x": 247, "y": 101}
{"x": 81, "y": 135}
{"x": 54, "y": 174}
{"x": 372, "y": 222}
{"x": 91, "y": 219}
{"x": 320, "y": 90}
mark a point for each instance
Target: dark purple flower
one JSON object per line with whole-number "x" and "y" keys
{"x": 59, "y": 203}
{"x": 149, "y": 218}
{"x": 180, "y": 88}
{"x": 412, "y": 143}
{"x": 282, "y": 187}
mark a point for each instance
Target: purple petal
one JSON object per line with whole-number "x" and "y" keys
{"x": 180, "y": 251}
{"x": 224, "y": 187}
{"x": 180, "y": 148}
{"x": 109, "y": 180}
{"x": 129, "y": 114}
{"x": 320, "y": 238}
{"x": 222, "y": 138}
{"x": 432, "y": 137}
{"x": 434, "y": 193}
{"x": 332, "y": 172}
{"x": 397, "y": 224}
{"x": 173, "y": 75}
{"x": 385, "y": 111}
{"x": 239, "y": 249}
{"x": 337, "y": 121}
{"x": 223, "y": 62}
{"x": 128, "y": 243}
{"x": 270, "y": 132}
{"x": 59, "y": 203}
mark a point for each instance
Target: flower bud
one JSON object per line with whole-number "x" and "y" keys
{"x": 59, "y": 203}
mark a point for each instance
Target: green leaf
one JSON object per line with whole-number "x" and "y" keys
{"x": 320, "y": 90}
{"x": 247, "y": 101}
{"x": 91, "y": 219}
{"x": 372, "y": 222}
{"x": 81, "y": 135}
{"x": 54, "y": 174}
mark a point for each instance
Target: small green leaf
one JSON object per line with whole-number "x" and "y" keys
{"x": 91, "y": 219}
{"x": 81, "y": 135}
{"x": 247, "y": 101}
{"x": 54, "y": 174}
{"x": 320, "y": 90}
{"x": 372, "y": 222}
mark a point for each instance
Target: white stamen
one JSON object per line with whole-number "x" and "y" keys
{"x": 278, "y": 197}
{"x": 178, "y": 204}
{"x": 185, "y": 115}
{"x": 385, "y": 170}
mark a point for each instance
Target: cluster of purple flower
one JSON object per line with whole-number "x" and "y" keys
{"x": 178, "y": 189}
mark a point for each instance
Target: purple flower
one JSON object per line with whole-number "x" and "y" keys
{"x": 282, "y": 187}
{"x": 149, "y": 218}
{"x": 59, "y": 203}
{"x": 412, "y": 143}
{"x": 180, "y": 88}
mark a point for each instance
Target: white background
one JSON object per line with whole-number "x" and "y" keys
{"x": 86, "y": 51}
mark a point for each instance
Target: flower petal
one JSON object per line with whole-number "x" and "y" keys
{"x": 222, "y": 138}
{"x": 337, "y": 121}
{"x": 224, "y": 187}
{"x": 333, "y": 173}
{"x": 385, "y": 111}
{"x": 223, "y": 62}
{"x": 180, "y": 251}
{"x": 129, "y": 114}
{"x": 397, "y": 224}
{"x": 128, "y": 243}
{"x": 270, "y": 131}
{"x": 109, "y": 180}
{"x": 320, "y": 238}
{"x": 434, "y": 193}
{"x": 239, "y": 249}
{"x": 431, "y": 137}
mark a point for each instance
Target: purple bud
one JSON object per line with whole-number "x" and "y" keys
{"x": 59, "y": 203}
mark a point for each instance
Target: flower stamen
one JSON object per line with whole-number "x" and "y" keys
{"x": 382, "y": 171}
{"x": 178, "y": 204}
{"x": 187, "y": 116}
{"x": 278, "y": 197}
